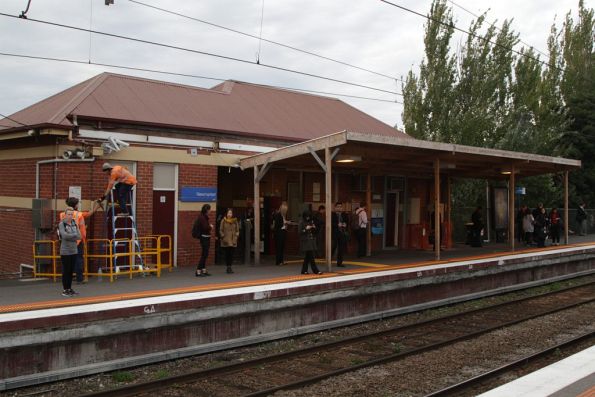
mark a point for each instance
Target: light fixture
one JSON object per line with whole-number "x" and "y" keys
{"x": 344, "y": 158}
{"x": 506, "y": 172}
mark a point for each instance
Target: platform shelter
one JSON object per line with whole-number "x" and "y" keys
{"x": 433, "y": 163}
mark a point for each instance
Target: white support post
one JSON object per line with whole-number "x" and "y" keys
{"x": 328, "y": 204}
{"x": 256, "y": 216}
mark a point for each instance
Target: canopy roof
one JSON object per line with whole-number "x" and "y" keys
{"x": 384, "y": 155}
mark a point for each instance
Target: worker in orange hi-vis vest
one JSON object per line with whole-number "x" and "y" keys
{"x": 79, "y": 217}
{"x": 123, "y": 180}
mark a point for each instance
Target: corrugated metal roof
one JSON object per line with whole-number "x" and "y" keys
{"x": 231, "y": 107}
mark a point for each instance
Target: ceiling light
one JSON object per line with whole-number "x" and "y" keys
{"x": 343, "y": 158}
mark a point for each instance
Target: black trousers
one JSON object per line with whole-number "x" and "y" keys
{"x": 79, "y": 264}
{"x": 205, "y": 243}
{"x": 362, "y": 237}
{"x": 228, "y": 251}
{"x": 339, "y": 244}
{"x": 280, "y": 237}
{"x": 309, "y": 260}
{"x": 68, "y": 262}
{"x": 123, "y": 192}
{"x": 555, "y": 232}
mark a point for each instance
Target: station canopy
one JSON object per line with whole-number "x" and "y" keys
{"x": 382, "y": 155}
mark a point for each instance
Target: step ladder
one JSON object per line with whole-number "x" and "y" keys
{"x": 126, "y": 253}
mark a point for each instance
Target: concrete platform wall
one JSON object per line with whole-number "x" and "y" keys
{"x": 66, "y": 345}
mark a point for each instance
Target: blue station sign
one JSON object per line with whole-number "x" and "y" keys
{"x": 198, "y": 194}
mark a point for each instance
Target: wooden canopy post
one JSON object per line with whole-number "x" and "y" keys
{"x": 511, "y": 192}
{"x": 256, "y": 216}
{"x": 437, "y": 208}
{"x": 566, "y": 220}
{"x": 369, "y": 209}
{"x": 328, "y": 205}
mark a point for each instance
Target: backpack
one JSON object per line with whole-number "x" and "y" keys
{"x": 196, "y": 232}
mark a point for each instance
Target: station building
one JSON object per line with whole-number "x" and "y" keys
{"x": 189, "y": 145}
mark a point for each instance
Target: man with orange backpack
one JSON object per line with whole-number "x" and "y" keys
{"x": 79, "y": 217}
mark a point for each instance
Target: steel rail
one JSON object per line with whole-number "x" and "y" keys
{"x": 476, "y": 380}
{"x": 150, "y": 386}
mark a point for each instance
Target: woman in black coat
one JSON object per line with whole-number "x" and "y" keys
{"x": 307, "y": 230}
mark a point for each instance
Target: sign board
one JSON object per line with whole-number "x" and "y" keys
{"x": 521, "y": 190}
{"x": 75, "y": 191}
{"x": 377, "y": 226}
{"x": 500, "y": 208}
{"x": 198, "y": 194}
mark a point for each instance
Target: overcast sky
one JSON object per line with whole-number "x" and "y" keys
{"x": 366, "y": 33}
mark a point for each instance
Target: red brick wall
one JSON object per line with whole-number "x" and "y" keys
{"x": 188, "y": 247}
{"x": 16, "y": 236}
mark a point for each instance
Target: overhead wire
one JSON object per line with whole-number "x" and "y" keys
{"x": 13, "y": 120}
{"x": 477, "y": 36}
{"x": 164, "y": 72}
{"x": 190, "y": 50}
{"x": 277, "y": 43}
{"x": 494, "y": 25}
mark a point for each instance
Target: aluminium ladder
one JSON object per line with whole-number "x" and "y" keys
{"x": 125, "y": 243}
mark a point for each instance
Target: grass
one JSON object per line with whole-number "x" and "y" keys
{"x": 122, "y": 376}
{"x": 162, "y": 373}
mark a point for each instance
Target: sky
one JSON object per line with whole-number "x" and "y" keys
{"x": 365, "y": 33}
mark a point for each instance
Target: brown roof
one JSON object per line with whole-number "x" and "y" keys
{"x": 231, "y": 107}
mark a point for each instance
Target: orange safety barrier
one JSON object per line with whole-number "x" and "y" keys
{"x": 109, "y": 258}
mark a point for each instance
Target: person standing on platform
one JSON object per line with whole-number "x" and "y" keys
{"x": 202, "y": 230}
{"x": 519, "y": 223}
{"x": 339, "y": 230}
{"x": 362, "y": 229}
{"x": 320, "y": 222}
{"x": 280, "y": 223}
{"x": 307, "y": 229}
{"x": 69, "y": 233}
{"x": 528, "y": 226}
{"x": 581, "y": 219}
{"x": 229, "y": 231}
{"x": 540, "y": 227}
{"x": 477, "y": 219}
{"x": 555, "y": 226}
{"x": 79, "y": 217}
{"x": 123, "y": 180}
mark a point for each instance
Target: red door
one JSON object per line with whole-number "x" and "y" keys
{"x": 164, "y": 216}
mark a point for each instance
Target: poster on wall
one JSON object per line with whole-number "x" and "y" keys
{"x": 75, "y": 191}
{"x": 377, "y": 226}
{"x": 500, "y": 208}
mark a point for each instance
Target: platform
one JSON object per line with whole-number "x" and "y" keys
{"x": 152, "y": 319}
{"x": 33, "y": 294}
{"x": 573, "y": 376}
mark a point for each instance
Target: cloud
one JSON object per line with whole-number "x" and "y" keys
{"x": 366, "y": 33}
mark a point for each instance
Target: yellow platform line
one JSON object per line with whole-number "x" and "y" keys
{"x": 369, "y": 268}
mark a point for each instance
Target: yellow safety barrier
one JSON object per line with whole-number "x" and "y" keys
{"x": 109, "y": 258}
{"x": 44, "y": 251}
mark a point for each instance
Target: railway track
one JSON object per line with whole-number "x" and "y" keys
{"x": 298, "y": 368}
{"x": 471, "y": 385}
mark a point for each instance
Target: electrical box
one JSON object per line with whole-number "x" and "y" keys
{"x": 42, "y": 213}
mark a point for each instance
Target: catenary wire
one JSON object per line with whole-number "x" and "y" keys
{"x": 185, "y": 49}
{"x": 494, "y": 25}
{"x": 13, "y": 120}
{"x": 277, "y": 43}
{"x": 453, "y": 26}
{"x": 65, "y": 60}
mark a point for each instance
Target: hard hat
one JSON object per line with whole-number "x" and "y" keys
{"x": 106, "y": 166}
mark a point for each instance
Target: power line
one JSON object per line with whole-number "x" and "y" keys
{"x": 277, "y": 43}
{"x": 13, "y": 120}
{"x": 229, "y": 58}
{"x": 453, "y": 26}
{"x": 184, "y": 75}
{"x": 496, "y": 27}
